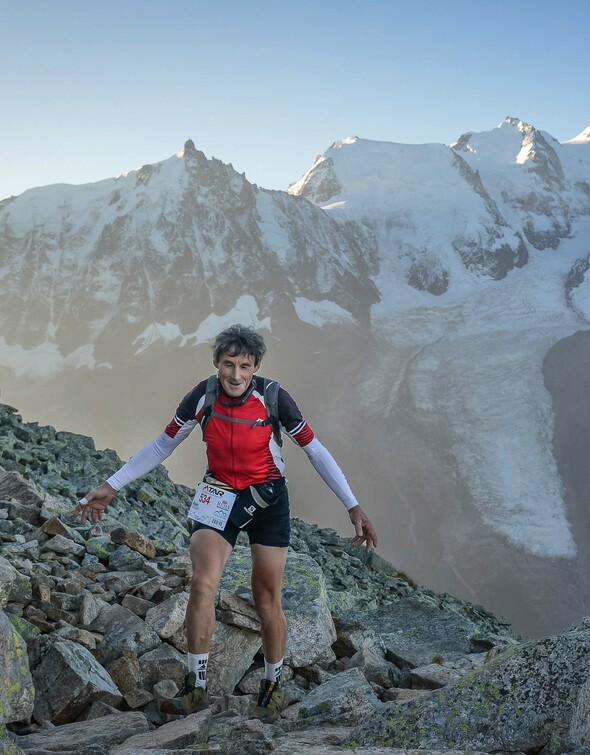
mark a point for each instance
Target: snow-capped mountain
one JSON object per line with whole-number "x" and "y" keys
{"x": 157, "y": 251}
{"x": 395, "y": 188}
{"x": 448, "y": 216}
{"x": 419, "y": 302}
{"x": 582, "y": 138}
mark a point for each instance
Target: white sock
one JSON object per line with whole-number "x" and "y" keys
{"x": 197, "y": 662}
{"x": 272, "y": 671}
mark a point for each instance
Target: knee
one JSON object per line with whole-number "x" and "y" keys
{"x": 267, "y": 604}
{"x": 203, "y": 587}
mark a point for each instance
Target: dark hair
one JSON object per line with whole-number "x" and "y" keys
{"x": 239, "y": 339}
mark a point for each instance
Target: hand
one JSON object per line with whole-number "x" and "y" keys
{"x": 94, "y": 503}
{"x": 365, "y": 532}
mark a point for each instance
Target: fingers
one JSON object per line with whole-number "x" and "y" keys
{"x": 81, "y": 503}
{"x": 367, "y": 540}
{"x": 372, "y": 534}
{"x": 363, "y": 528}
{"x": 94, "y": 503}
{"x": 366, "y": 535}
{"x": 90, "y": 508}
{"x": 81, "y": 509}
{"x": 94, "y": 511}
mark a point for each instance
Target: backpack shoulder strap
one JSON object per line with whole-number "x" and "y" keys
{"x": 210, "y": 396}
{"x": 271, "y": 399}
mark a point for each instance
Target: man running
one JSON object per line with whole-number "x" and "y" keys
{"x": 244, "y": 488}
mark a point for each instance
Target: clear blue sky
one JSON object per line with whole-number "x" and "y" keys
{"x": 89, "y": 90}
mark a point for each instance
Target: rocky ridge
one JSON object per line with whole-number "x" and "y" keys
{"x": 91, "y": 627}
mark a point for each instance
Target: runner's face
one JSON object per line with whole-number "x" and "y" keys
{"x": 236, "y": 373}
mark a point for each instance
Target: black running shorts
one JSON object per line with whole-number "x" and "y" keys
{"x": 270, "y": 526}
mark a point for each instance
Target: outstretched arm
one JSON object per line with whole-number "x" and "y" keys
{"x": 94, "y": 503}
{"x": 326, "y": 466}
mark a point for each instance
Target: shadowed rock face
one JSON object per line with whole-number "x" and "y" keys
{"x": 67, "y": 680}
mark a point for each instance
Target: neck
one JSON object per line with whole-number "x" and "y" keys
{"x": 227, "y": 400}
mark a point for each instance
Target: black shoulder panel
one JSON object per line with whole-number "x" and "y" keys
{"x": 271, "y": 399}
{"x": 210, "y": 396}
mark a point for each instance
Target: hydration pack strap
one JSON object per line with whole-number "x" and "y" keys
{"x": 253, "y": 422}
{"x": 271, "y": 399}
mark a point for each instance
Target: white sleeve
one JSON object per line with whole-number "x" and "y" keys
{"x": 152, "y": 454}
{"x": 327, "y": 468}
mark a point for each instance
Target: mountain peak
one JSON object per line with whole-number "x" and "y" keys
{"x": 582, "y": 138}
{"x": 506, "y": 130}
{"x": 189, "y": 149}
{"x": 510, "y": 120}
{"x": 339, "y": 143}
{"x": 522, "y": 126}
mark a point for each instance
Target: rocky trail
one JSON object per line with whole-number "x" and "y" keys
{"x": 92, "y": 638}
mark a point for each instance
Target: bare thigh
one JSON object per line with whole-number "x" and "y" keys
{"x": 268, "y": 569}
{"x": 209, "y": 553}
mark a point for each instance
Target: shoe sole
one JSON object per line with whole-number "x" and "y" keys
{"x": 267, "y": 717}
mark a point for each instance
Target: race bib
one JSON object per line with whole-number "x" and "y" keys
{"x": 211, "y": 506}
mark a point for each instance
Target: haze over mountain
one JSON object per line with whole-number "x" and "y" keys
{"x": 419, "y": 301}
